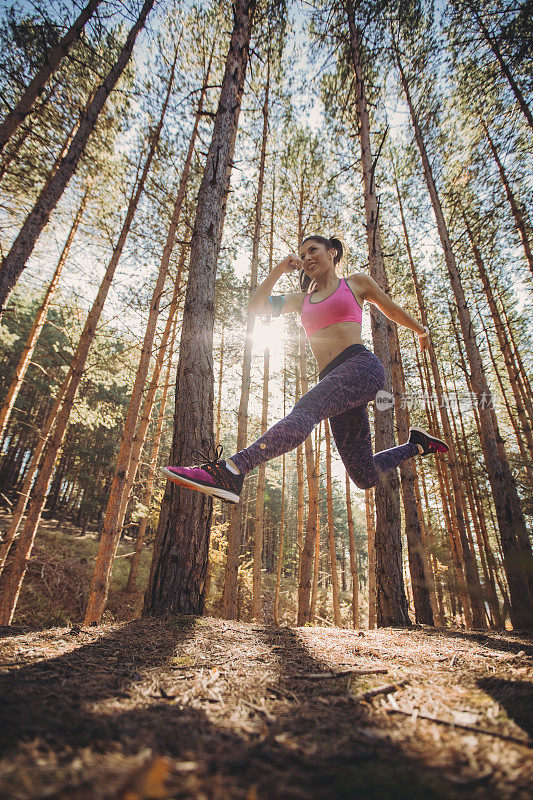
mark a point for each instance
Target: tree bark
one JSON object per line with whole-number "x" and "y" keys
{"x": 353, "y": 557}
{"x": 502, "y": 483}
{"x": 38, "y": 324}
{"x": 370, "y": 539}
{"x": 316, "y": 552}
{"x": 391, "y": 601}
{"x": 522, "y": 377}
{"x": 452, "y": 506}
{"x": 149, "y": 489}
{"x": 179, "y": 566}
{"x": 299, "y": 489}
{"x": 312, "y": 526}
{"x": 59, "y": 417}
{"x": 457, "y": 513}
{"x": 257, "y": 610}
{"x": 15, "y": 261}
{"x": 522, "y": 541}
{"x": 515, "y": 208}
{"x": 116, "y": 504}
{"x": 220, "y": 376}
{"x": 528, "y": 467}
{"x": 468, "y": 482}
{"x": 511, "y": 366}
{"x": 331, "y": 532}
{"x": 229, "y": 598}
{"x": 419, "y": 568}
{"x": 282, "y": 516}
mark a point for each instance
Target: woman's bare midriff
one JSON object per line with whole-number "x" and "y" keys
{"x": 327, "y": 343}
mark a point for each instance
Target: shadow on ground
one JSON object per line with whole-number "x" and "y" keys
{"x": 318, "y": 743}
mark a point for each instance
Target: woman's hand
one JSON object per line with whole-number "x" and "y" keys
{"x": 290, "y": 263}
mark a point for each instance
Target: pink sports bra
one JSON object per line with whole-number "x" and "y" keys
{"x": 340, "y": 306}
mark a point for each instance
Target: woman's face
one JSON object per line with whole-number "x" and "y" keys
{"x": 317, "y": 259}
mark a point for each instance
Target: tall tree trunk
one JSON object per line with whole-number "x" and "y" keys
{"x": 353, "y": 557}
{"x": 30, "y": 475}
{"x": 116, "y": 505}
{"x": 60, "y": 414}
{"x": 522, "y": 377}
{"x": 494, "y": 46}
{"x": 457, "y": 517}
{"x": 310, "y": 543}
{"x": 81, "y": 352}
{"x": 316, "y": 560}
{"x": 516, "y": 211}
{"x": 15, "y": 261}
{"x": 526, "y": 457}
{"x": 370, "y": 539}
{"x": 229, "y": 598}
{"x": 452, "y": 507}
{"x": 179, "y": 566}
{"x": 510, "y": 518}
{"x": 145, "y": 416}
{"x": 38, "y": 323}
{"x": 522, "y": 537}
{"x": 331, "y": 532}
{"x": 282, "y": 516}
{"x": 149, "y": 489}
{"x": 468, "y": 482}
{"x": 299, "y": 488}
{"x": 438, "y": 619}
{"x": 257, "y": 611}
{"x": 64, "y": 147}
{"x": 37, "y": 84}
{"x": 419, "y": 568}
{"x": 510, "y": 364}
{"x": 391, "y": 600}
{"x": 220, "y": 374}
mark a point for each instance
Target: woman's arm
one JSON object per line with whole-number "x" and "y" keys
{"x": 370, "y": 291}
{"x": 259, "y": 303}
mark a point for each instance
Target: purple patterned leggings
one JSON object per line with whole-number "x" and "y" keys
{"x": 341, "y": 395}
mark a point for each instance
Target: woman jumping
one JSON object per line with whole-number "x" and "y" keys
{"x": 350, "y": 376}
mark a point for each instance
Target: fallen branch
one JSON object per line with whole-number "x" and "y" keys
{"x": 6, "y": 499}
{"x": 389, "y": 687}
{"x": 285, "y": 694}
{"x": 341, "y": 673}
{"x": 507, "y": 737}
{"x": 199, "y": 666}
{"x": 325, "y": 621}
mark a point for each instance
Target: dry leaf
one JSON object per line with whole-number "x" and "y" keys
{"x": 286, "y": 740}
{"x": 148, "y": 782}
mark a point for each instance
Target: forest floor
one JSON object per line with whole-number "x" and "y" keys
{"x": 201, "y": 708}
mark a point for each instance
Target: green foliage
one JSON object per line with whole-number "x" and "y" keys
{"x": 25, "y": 40}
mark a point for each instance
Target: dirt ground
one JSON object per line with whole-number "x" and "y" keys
{"x": 207, "y": 709}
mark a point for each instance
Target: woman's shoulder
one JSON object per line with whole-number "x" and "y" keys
{"x": 358, "y": 283}
{"x": 357, "y": 279}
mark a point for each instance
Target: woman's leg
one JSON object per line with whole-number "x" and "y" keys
{"x": 353, "y": 383}
{"x": 351, "y": 432}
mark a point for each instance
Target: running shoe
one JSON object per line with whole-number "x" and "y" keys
{"x": 430, "y": 443}
{"x": 212, "y": 478}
